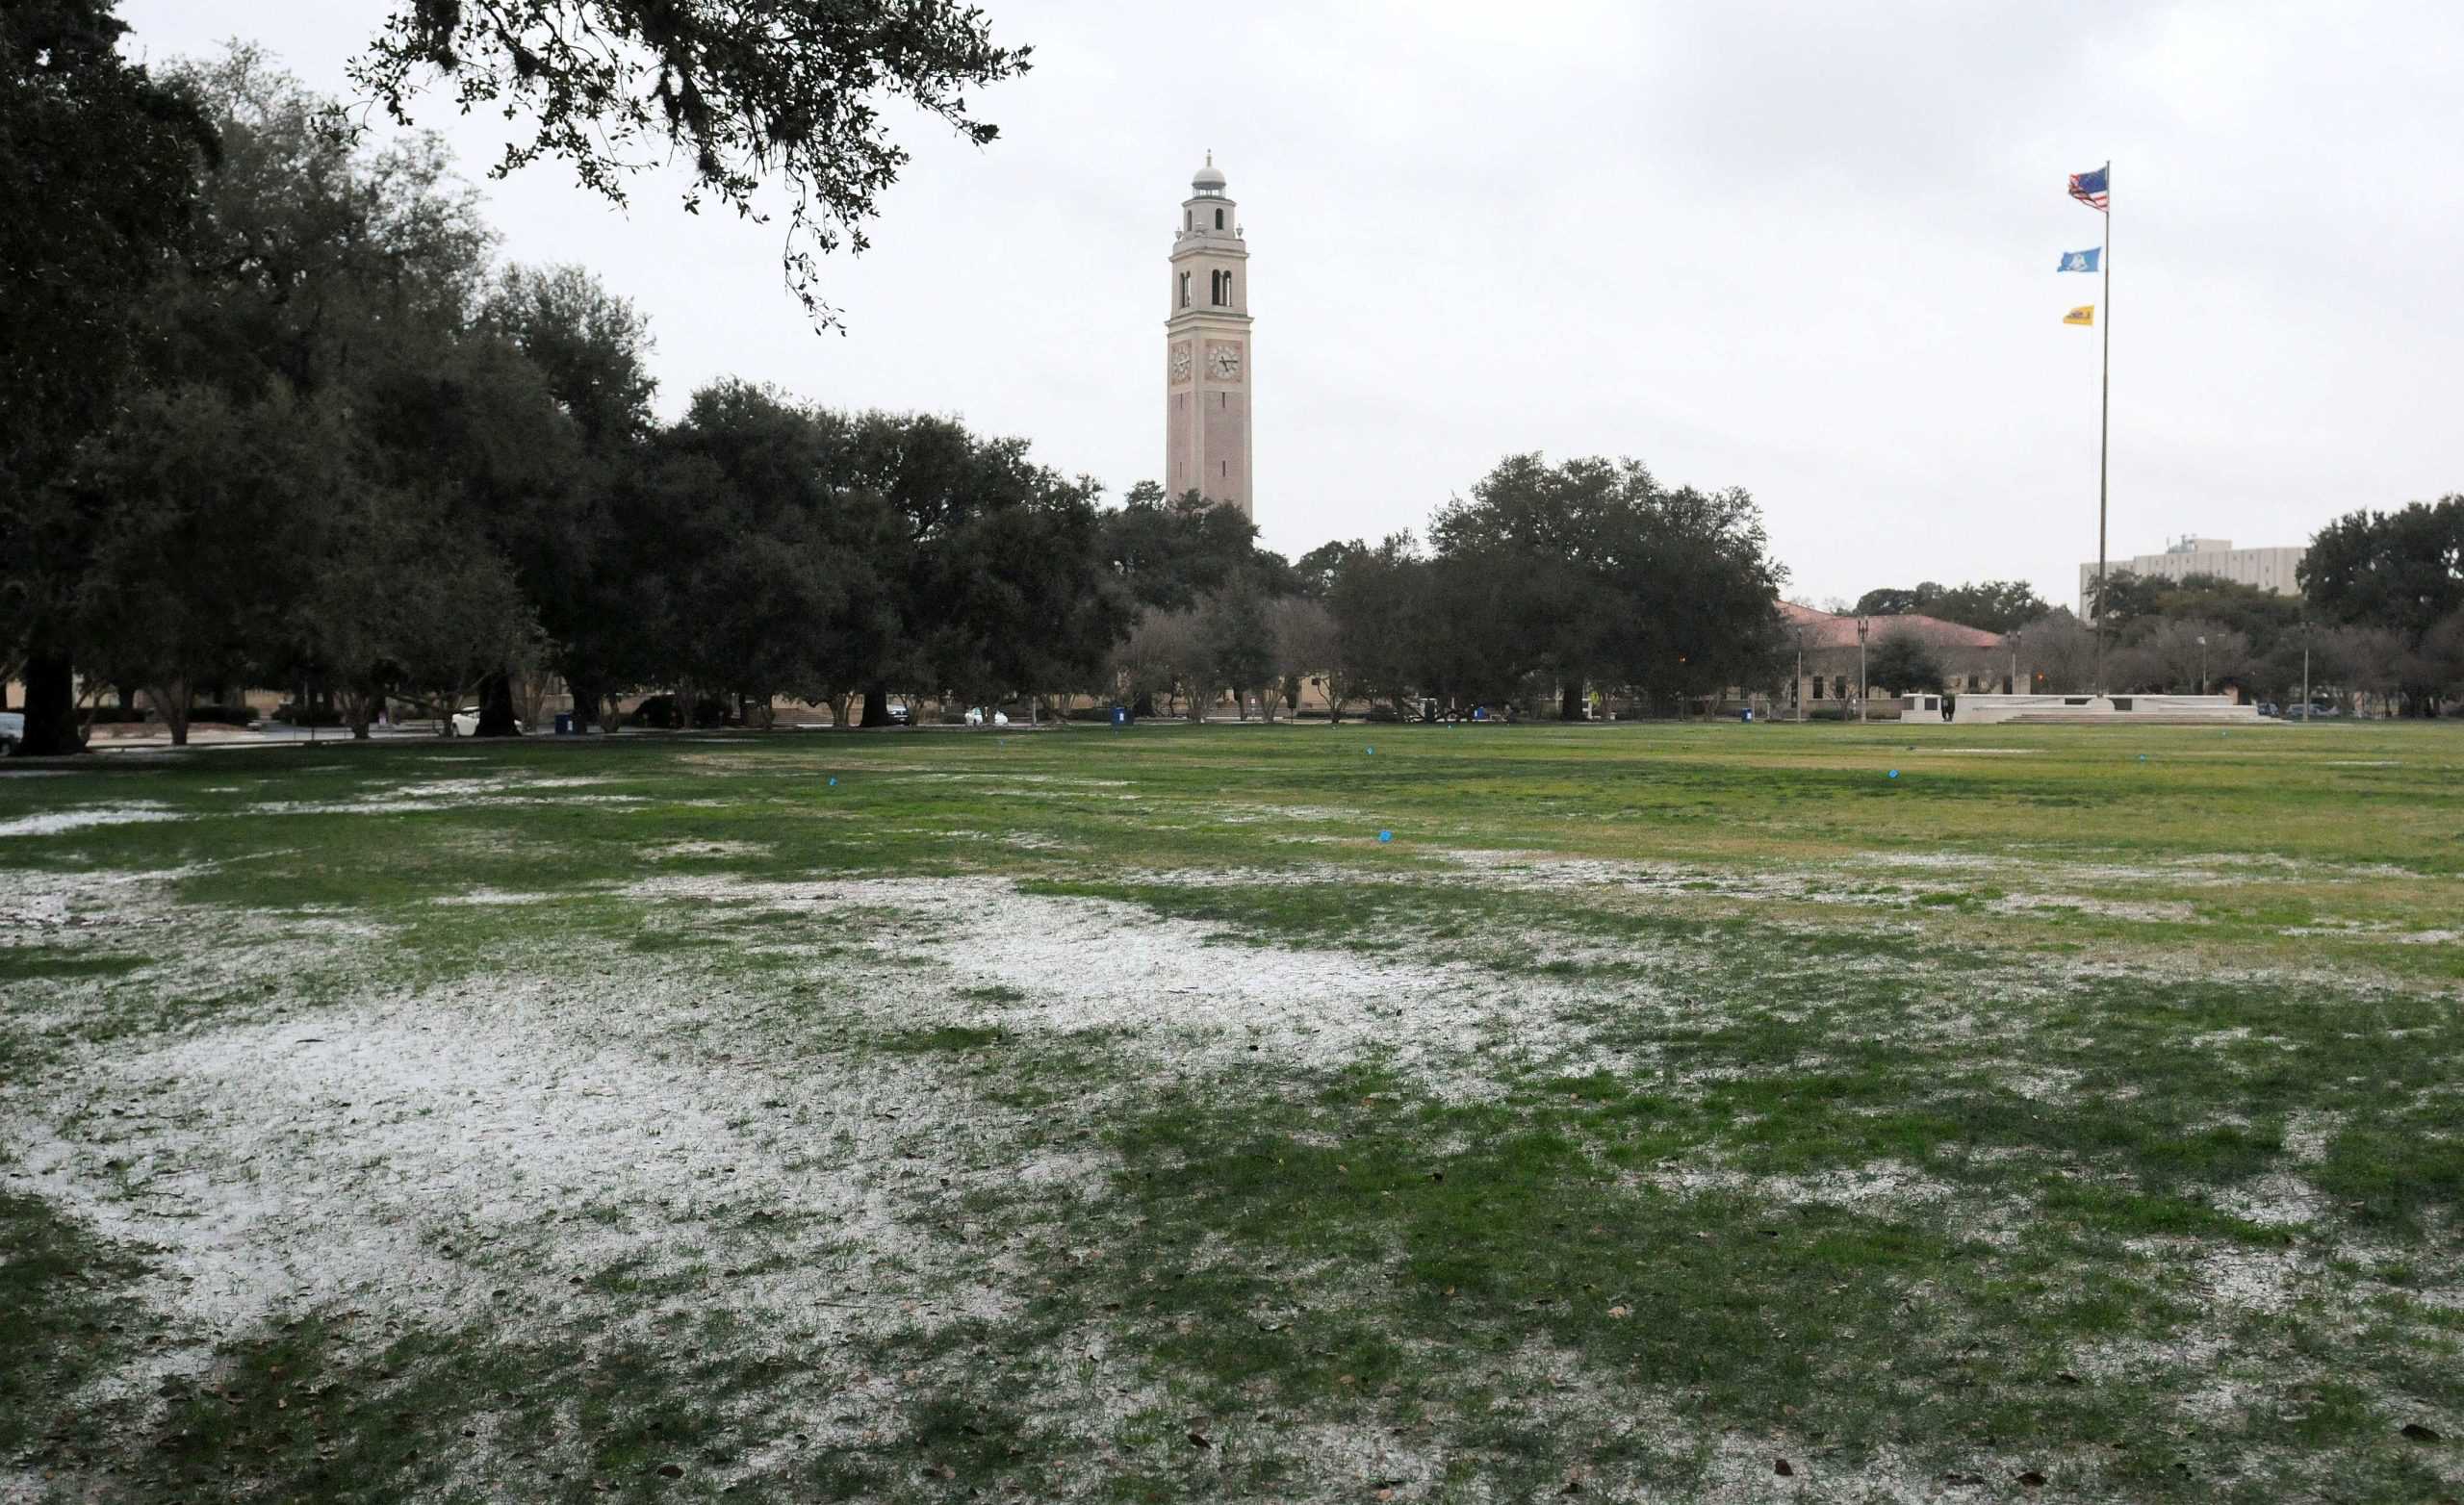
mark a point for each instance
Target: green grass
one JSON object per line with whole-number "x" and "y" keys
{"x": 2085, "y": 1112}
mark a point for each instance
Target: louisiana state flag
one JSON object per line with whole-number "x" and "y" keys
{"x": 2083, "y": 313}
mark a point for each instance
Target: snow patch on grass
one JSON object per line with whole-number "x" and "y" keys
{"x": 1178, "y": 987}
{"x": 488, "y": 1153}
{"x": 52, "y": 823}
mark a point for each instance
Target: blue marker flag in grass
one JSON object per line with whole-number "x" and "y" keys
{"x": 2082, "y": 261}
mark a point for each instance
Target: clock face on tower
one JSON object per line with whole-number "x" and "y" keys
{"x": 1225, "y": 361}
{"x": 1180, "y": 363}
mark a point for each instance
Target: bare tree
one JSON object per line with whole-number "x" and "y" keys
{"x": 1305, "y": 647}
{"x": 1162, "y": 657}
{"x": 2180, "y": 654}
{"x": 2059, "y": 655}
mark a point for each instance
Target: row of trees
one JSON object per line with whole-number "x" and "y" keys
{"x": 341, "y": 450}
{"x": 1545, "y": 581}
{"x": 271, "y": 416}
{"x": 2380, "y": 615}
{"x": 336, "y": 447}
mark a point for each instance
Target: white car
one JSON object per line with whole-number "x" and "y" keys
{"x": 466, "y": 722}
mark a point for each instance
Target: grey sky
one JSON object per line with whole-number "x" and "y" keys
{"x": 1807, "y": 249}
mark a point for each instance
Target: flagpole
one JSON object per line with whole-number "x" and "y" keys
{"x": 2104, "y": 420}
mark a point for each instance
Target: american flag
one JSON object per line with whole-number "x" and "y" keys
{"x": 2088, "y": 188}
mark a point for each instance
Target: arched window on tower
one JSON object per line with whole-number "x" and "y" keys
{"x": 1219, "y": 220}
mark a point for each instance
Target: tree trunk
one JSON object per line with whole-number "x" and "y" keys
{"x": 875, "y": 704}
{"x": 358, "y": 706}
{"x": 172, "y": 698}
{"x": 586, "y": 698}
{"x": 51, "y": 706}
{"x": 495, "y": 707}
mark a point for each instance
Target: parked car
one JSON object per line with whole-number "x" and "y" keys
{"x": 13, "y": 730}
{"x": 466, "y": 722}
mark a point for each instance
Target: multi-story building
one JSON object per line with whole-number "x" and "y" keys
{"x": 2268, "y": 569}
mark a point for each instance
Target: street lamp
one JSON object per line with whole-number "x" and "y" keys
{"x": 1864, "y": 685}
{"x": 2202, "y": 663}
{"x": 2306, "y": 670}
{"x": 1800, "y": 691}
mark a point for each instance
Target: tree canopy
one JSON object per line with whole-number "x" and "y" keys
{"x": 791, "y": 94}
{"x": 1991, "y": 605}
{"x": 2398, "y": 574}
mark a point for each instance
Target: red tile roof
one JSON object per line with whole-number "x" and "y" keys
{"x": 1822, "y": 629}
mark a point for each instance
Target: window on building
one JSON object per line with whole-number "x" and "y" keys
{"x": 1219, "y": 220}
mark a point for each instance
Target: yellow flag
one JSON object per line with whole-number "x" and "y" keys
{"x": 2083, "y": 313}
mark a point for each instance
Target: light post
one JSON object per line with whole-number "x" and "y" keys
{"x": 2306, "y": 670}
{"x": 1864, "y": 685}
{"x": 1800, "y": 691}
{"x": 2202, "y": 663}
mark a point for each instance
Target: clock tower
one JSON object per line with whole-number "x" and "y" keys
{"x": 1207, "y": 375}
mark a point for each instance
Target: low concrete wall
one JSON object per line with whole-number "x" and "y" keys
{"x": 2103, "y": 709}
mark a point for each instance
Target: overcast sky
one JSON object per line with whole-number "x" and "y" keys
{"x": 1805, "y": 249}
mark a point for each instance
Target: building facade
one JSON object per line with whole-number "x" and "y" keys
{"x": 1207, "y": 374}
{"x": 1828, "y": 660}
{"x": 2268, "y": 569}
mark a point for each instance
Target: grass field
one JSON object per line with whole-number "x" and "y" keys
{"x": 1661, "y": 1113}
